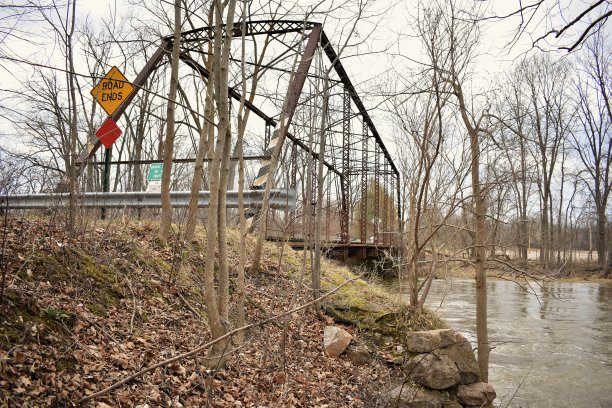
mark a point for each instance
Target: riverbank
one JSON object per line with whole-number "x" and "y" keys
{"x": 579, "y": 271}
{"x": 79, "y": 315}
{"x": 550, "y": 341}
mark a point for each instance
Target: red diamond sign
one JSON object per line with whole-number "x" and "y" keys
{"x": 108, "y": 133}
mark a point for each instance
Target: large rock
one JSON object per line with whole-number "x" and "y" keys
{"x": 413, "y": 396}
{"x": 463, "y": 356}
{"x": 335, "y": 340}
{"x": 430, "y": 340}
{"x": 434, "y": 371}
{"x": 450, "y": 343}
{"x": 359, "y": 354}
{"x": 478, "y": 394}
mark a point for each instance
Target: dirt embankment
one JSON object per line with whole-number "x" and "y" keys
{"x": 78, "y": 315}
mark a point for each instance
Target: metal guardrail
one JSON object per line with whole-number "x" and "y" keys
{"x": 280, "y": 199}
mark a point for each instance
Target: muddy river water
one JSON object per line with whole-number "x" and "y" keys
{"x": 552, "y": 347}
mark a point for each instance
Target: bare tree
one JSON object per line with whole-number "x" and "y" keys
{"x": 166, "y": 213}
{"x": 567, "y": 25}
{"x": 217, "y": 301}
{"x": 512, "y": 109}
{"x": 592, "y": 141}
{"x": 549, "y": 121}
{"x": 429, "y": 176}
{"x": 455, "y": 51}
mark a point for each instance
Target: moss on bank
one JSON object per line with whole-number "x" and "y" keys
{"x": 371, "y": 306}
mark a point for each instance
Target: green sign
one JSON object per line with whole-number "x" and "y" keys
{"x": 155, "y": 171}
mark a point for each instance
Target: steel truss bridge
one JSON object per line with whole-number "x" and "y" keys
{"x": 361, "y": 202}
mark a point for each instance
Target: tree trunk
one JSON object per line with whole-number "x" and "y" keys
{"x": 240, "y": 284}
{"x": 316, "y": 270}
{"x": 216, "y": 218}
{"x": 481, "y": 276}
{"x": 601, "y": 235}
{"x": 607, "y": 272}
{"x": 166, "y": 212}
{"x": 207, "y": 133}
{"x": 71, "y": 168}
{"x": 479, "y": 207}
{"x": 222, "y": 223}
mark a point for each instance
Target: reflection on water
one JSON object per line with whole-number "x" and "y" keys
{"x": 552, "y": 345}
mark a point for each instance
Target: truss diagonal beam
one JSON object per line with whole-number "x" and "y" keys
{"x": 269, "y": 120}
{"x": 348, "y": 86}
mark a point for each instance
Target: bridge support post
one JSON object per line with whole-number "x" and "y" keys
{"x": 385, "y": 211}
{"x": 293, "y": 182}
{"x": 345, "y": 182}
{"x": 376, "y": 219}
{"x": 363, "y": 224}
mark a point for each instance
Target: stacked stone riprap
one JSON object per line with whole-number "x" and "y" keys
{"x": 443, "y": 372}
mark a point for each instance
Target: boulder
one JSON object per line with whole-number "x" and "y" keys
{"x": 434, "y": 371}
{"x": 430, "y": 340}
{"x": 450, "y": 343}
{"x": 359, "y": 354}
{"x": 462, "y": 355}
{"x": 335, "y": 340}
{"x": 413, "y": 396}
{"x": 478, "y": 394}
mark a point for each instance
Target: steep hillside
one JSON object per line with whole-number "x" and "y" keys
{"x": 79, "y": 315}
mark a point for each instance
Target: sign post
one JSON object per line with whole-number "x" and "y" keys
{"x": 111, "y": 92}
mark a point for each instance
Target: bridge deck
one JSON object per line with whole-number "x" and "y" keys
{"x": 342, "y": 250}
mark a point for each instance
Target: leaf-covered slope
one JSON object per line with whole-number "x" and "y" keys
{"x": 79, "y": 315}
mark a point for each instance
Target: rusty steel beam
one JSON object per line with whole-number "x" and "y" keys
{"x": 376, "y": 195}
{"x": 289, "y": 106}
{"x": 253, "y": 28}
{"x": 267, "y": 136}
{"x": 251, "y": 107}
{"x": 348, "y": 85}
{"x": 363, "y": 227}
{"x": 363, "y": 224}
{"x": 344, "y": 180}
{"x": 385, "y": 219}
{"x": 400, "y": 224}
{"x": 293, "y": 164}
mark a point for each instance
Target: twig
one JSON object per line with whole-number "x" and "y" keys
{"x": 188, "y": 305}
{"x": 512, "y": 267}
{"x": 519, "y": 386}
{"x": 133, "y": 306}
{"x": 207, "y": 345}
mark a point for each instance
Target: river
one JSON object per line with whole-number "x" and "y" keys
{"x": 552, "y": 343}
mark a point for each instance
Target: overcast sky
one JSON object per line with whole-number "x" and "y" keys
{"x": 391, "y": 20}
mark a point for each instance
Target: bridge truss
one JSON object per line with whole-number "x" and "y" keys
{"x": 361, "y": 208}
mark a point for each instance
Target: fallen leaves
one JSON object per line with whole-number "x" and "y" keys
{"x": 84, "y": 341}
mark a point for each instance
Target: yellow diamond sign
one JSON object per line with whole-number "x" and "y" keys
{"x": 112, "y": 91}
